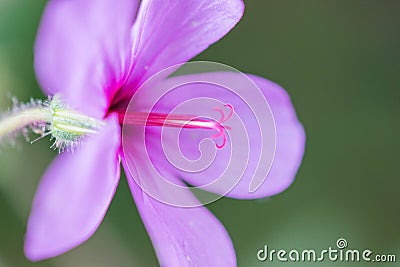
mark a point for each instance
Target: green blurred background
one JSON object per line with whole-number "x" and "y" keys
{"x": 340, "y": 62}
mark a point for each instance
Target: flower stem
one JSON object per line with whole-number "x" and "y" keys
{"x": 21, "y": 119}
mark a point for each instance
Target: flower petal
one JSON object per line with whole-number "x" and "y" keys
{"x": 74, "y": 195}
{"x": 275, "y": 137}
{"x": 181, "y": 236}
{"x": 83, "y": 50}
{"x": 168, "y": 32}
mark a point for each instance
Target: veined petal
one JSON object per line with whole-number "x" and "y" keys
{"x": 260, "y": 164}
{"x": 168, "y": 32}
{"x": 181, "y": 236}
{"x": 74, "y": 195}
{"x": 83, "y": 50}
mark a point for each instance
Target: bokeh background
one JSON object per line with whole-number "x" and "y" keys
{"x": 340, "y": 62}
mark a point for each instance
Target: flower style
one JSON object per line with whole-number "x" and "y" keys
{"x": 96, "y": 54}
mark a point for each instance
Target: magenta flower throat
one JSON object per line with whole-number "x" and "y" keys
{"x": 122, "y": 94}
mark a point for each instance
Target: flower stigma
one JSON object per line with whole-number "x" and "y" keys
{"x": 181, "y": 121}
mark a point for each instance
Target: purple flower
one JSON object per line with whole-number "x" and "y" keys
{"x": 96, "y": 54}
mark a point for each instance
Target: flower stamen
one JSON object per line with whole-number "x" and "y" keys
{"x": 181, "y": 121}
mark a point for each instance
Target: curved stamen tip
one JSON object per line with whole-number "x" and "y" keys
{"x": 223, "y": 118}
{"x": 231, "y": 111}
{"x": 220, "y": 127}
{"x": 181, "y": 121}
{"x": 221, "y": 132}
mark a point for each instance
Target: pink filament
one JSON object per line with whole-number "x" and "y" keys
{"x": 180, "y": 121}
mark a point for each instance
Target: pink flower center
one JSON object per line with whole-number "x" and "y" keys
{"x": 181, "y": 121}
